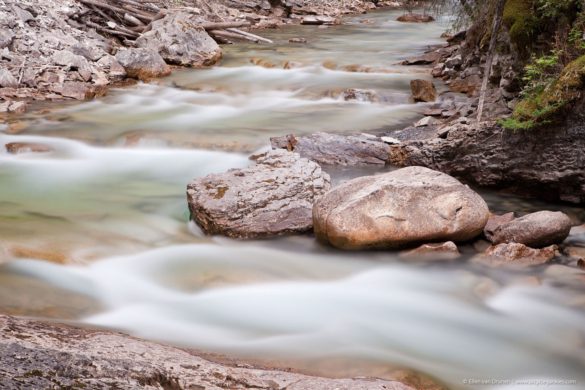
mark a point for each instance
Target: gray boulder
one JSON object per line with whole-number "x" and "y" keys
{"x": 535, "y": 230}
{"x": 335, "y": 149}
{"x": 405, "y": 207}
{"x": 180, "y": 40}
{"x": 273, "y": 197}
{"x": 143, "y": 64}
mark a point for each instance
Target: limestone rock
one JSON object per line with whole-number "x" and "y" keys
{"x": 405, "y": 207}
{"x": 271, "y": 198}
{"x": 423, "y": 91}
{"x": 535, "y": 230}
{"x": 7, "y": 80}
{"x": 180, "y": 40}
{"x": 143, "y": 64}
{"x": 335, "y": 149}
{"x": 32, "y": 352}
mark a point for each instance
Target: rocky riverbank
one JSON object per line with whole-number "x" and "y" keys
{"x": 55, "y": 51}
{"x": 43, "y": 355}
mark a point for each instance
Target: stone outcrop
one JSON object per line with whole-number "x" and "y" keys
{"x": 409, "y": 206}
{"x": 271, "y": 198}
{"x": 335, "y": 149}
{"x": 549, "y": 164}
{"x": 39, "y": 355}
{"x": 180, "y": 40}
{"x": 535, "y": 230}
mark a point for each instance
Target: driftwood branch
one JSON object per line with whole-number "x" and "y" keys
{"x": 131, "y": 18}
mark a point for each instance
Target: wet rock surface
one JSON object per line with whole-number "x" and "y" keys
{"x": 143, "y": 64}
{"x": 423, "y": 91}
{"x": 271, "y": 198}
{"x": 335, "y": 149}
{"x": 516, "y": 255}
{"x": 40, "y": 355}
{"x": 433, "y": 252}
{"x": 549, "y": 164}
{"x": 535, "y": 230}
{"x": 406, "y": 207}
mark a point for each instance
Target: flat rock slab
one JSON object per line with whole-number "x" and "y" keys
{"x": 535, "y": 230}
{"x": 335, "y": 149}
{"x": 409, "y": 206}
{"x": 38, "y": 355}
{"x": 273, "y": 197}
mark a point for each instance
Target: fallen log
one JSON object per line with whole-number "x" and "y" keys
{"x": 224, "y": 25}
{"x": 249, "y": 35}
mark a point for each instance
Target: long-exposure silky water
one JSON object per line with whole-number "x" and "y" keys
{"x": 95, "y": 229}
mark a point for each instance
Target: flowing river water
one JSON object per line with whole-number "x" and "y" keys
{"x": 96, "y": 231}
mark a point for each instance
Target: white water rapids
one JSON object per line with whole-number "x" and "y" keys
{"x": 96, "y": 230}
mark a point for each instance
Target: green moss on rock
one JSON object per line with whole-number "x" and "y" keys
{"x": 520, "y": 18}
{"x": 548, "y": 104}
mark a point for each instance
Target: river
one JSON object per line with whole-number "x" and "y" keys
{"x": 96, "y": 231}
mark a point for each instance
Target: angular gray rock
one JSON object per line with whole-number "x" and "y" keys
{"x": 180, "y": 40}
{"x": 535, "y": 230}
{"x": 335, "y": 149}
{"x": 39, "y": 355}
{"x": 7, "y": 79}
{"x": 409, "y": 206}
{"x": 273, "y": 197}
{"x": 143, "y": 64}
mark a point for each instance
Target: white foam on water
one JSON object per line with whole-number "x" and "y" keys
{"x": 321, "y": 307}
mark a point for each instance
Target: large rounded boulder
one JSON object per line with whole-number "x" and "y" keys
{"x": 405, "y": 207}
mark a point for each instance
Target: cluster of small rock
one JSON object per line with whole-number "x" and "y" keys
{"x": 287, "y": 192}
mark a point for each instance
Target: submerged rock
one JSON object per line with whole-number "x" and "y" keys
{"x": 271, "y": 198}
{"x": 415, "y": 18}
{"x": 516, "y": 255}
{"x": 423, "y": 91}
{"x": 431, "y": 252}
{"x": 335, "y": 149}
{"x": 27, "y": 147}
{"x": 39, "y": 355}
{"x": 405, "y": 207}
{"x": 143, "y": 64}
{"x": 535, "y": 230}
{"x": 180, "y": 40}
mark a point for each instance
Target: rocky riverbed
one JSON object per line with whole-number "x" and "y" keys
{"x": 49, "y": 52}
